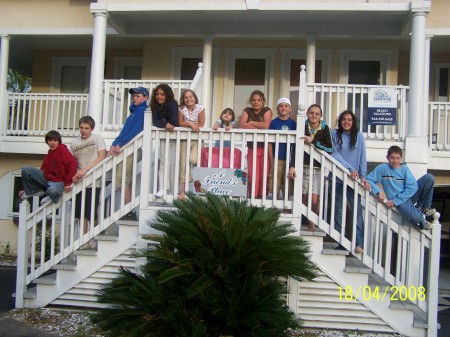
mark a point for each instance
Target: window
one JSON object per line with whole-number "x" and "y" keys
{"x": 71, "y": 74}
{"x": 11, "y": 184}
{"x": 189, "y": 66}
{"x": 128, "y": 68}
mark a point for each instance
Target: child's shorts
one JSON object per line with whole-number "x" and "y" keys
{"x": 316, "y": 183}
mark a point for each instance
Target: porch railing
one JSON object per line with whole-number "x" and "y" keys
{"x": 116, "y": 99}
{"x": 52, "y": 232}
{"x": 335, "y": 98}
{"x": 36, "y": 114}
{"x": 439, "y": 125}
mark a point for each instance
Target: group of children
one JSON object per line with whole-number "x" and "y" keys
{"x": 61, "y": 168}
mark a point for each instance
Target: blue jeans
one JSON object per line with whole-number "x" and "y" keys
{"x": 34, "y": 181}
{"x": 422, "y": 198}
{"x": 338, "y": 211}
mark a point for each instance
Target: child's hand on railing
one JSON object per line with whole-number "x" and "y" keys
{"x": 292, "y": 174}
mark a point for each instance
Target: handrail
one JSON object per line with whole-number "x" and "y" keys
{"x": 34, "y": 114}
{"x": 335, "y": 98}
{"x": 65, "y": 233}
{"x": 439, "y": 126}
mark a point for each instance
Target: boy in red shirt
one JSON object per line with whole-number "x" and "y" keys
{"x": 55, "y": 175}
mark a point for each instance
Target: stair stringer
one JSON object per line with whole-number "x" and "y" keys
{"x": 84, "y": 294}
{"x": 86, "y": 266}
{"x": 333, "y": 267}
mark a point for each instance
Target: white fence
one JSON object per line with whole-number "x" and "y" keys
{"x": 439, "y": 125}
{"x": 335, "y": 98}
{"x": 116, "y": 99}
{"x": 36, "y": 114}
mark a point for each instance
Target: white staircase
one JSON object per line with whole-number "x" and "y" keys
{"x": 322, "y": 302}
{"x": 76, "y": 279}
{"x": 74, "y": 282}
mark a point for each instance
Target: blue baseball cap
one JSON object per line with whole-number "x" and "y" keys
{"x": 138, "y": 90}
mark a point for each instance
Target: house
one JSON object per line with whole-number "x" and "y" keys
{"x": 83, "y": 56}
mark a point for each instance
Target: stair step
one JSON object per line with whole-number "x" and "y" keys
{"x": 66, "y": 264}
{"x": 127, "y": 222}
{"x": 419, "y": 322}
{"x": 305, "y": 232}
{"x": 329, "y": 248}
{"x": 343, "y": 305}
{"x": 354, "y": 265}
{"x": 81, "y": 304}
{"x": 408, "y": 305}
{"x": 30, "y": 293}
{"x": 107, "y": 237}
{"x": 376, "y": 281}
{"x": 48, "y": 279}
{"x": 86, "y": 252}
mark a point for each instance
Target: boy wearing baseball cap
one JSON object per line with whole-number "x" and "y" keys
{"x": 132, "y": 127}
{"x": 282, "y": 122}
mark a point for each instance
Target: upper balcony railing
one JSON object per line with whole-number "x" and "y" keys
{"x": 439, "y": 125}
{"x": 335, "y": 98}
{"x": 36, "y": 114}
{"x": 116, "y": 99}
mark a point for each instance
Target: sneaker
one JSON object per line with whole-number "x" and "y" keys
{"x": 428, "y": 211}
{"x": 159, "y": 194}
{"x": 23, "y": 195}
{"x": 427, "y": 226}
{"x": 44, "y": 200}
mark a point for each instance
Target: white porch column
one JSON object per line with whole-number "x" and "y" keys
{"x": 310, "y": 67}
{"x": 416, "y": 146}
{"x": 310, "y": 60}
{"x": 206, "y": 78}
{"x": 4, "y": 57}
{"x": 426, "y": 82}
{"x": 97, "y": 65}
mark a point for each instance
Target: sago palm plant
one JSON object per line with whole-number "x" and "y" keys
{"x": 217, "y": 270}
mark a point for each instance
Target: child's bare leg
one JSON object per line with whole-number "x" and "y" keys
{"x": 182, "y": 194}
{"x": 314, "y": 208}
{"x": 127, "y": 194}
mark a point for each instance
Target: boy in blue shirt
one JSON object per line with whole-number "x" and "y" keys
{"x": 282, "y": 122}
{"x": 401, "y": 190}
{"x": 132, "y": 127}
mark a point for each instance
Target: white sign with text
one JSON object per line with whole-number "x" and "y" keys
{"x": 220, "y": 181}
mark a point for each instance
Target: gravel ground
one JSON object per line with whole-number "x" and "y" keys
{"x": 76, "y": 323}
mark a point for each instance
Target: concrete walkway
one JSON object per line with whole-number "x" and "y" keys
{"x": 10, "y": 327}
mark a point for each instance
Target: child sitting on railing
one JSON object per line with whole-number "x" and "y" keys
{"x": 55, "y": 175}
{"x": 401, "y": 190}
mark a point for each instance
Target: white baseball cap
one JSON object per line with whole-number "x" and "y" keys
{"x": 283, "y": 100}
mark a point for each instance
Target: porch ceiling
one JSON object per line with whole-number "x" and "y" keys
{"x": 233, "y": 23}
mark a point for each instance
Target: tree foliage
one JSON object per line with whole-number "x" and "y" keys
{"x": 217, "y": 270}
{"x": 16, "y": 82}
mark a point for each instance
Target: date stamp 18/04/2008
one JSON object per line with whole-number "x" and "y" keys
{"x": 392, "y": 293}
